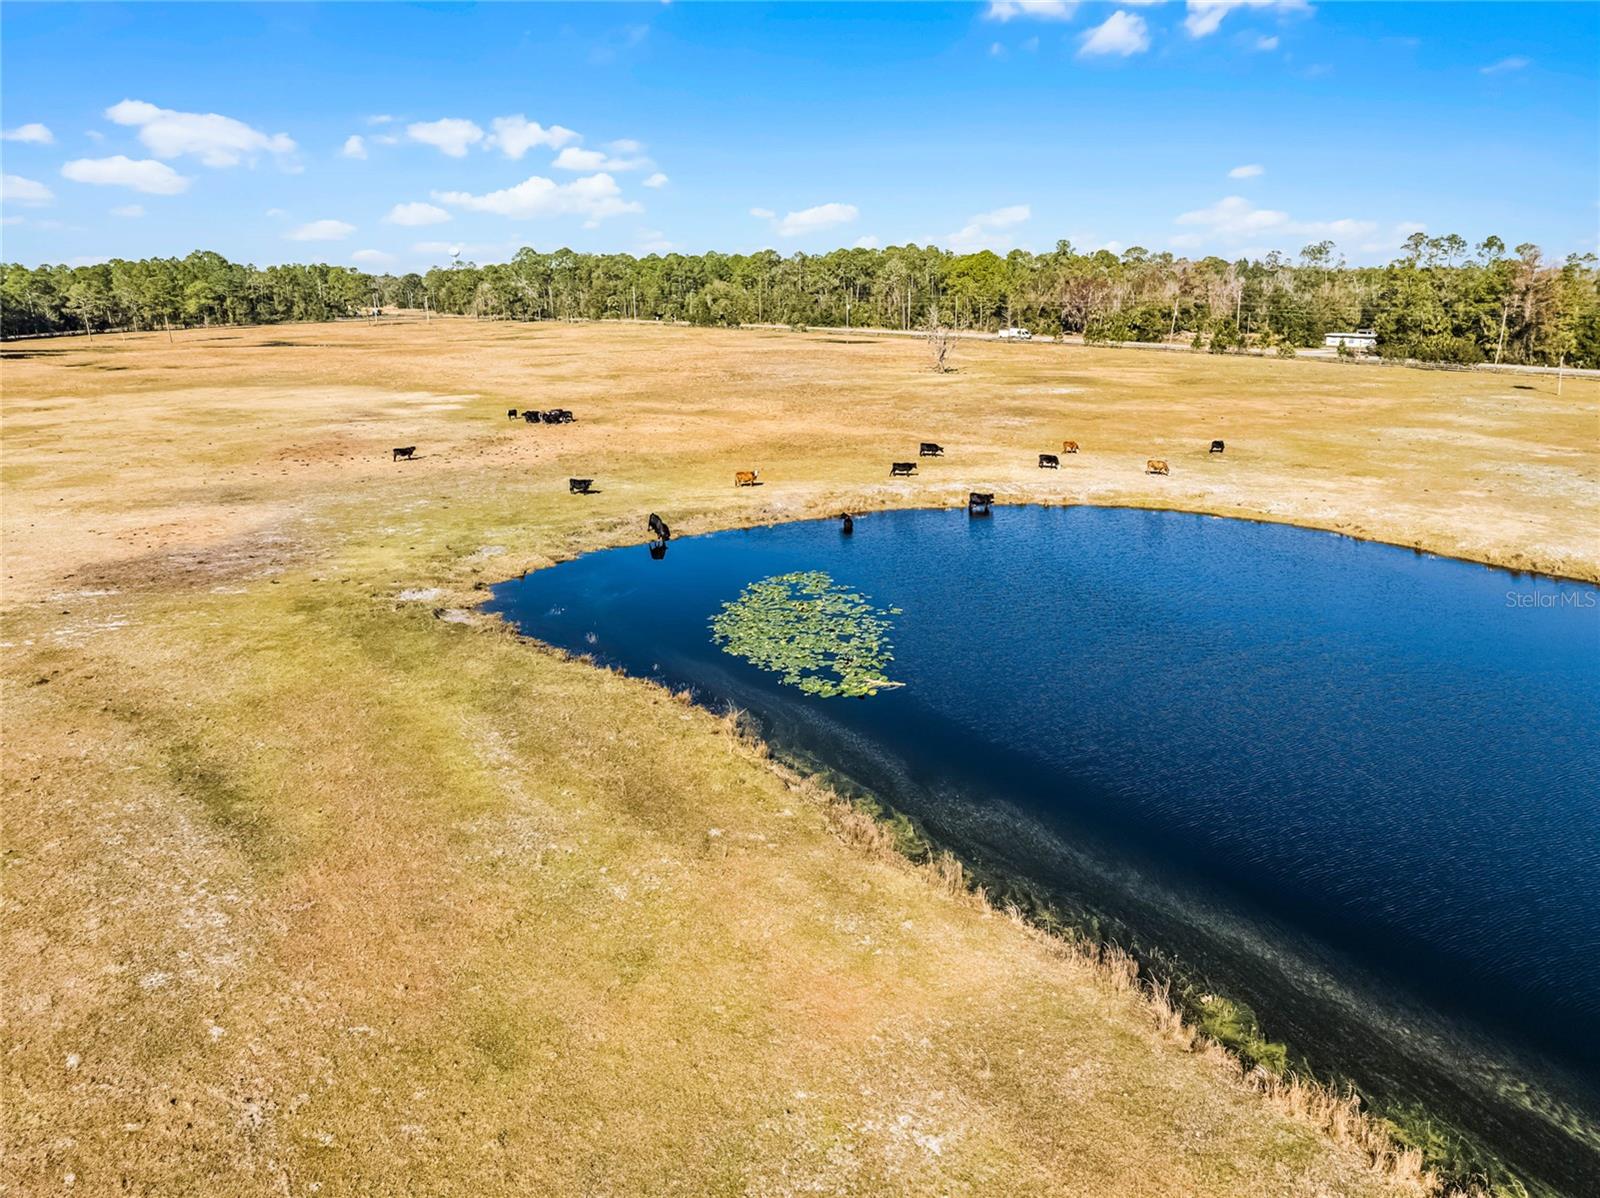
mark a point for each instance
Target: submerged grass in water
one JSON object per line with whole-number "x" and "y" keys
{"x": 820, "y": 637}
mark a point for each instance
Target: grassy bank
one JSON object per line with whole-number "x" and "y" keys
{"x": 308, "y": 886}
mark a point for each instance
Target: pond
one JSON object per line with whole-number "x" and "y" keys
{"x": 1351, "y": 786}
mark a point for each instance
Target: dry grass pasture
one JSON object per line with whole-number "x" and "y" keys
{"x": 317, "y": 882}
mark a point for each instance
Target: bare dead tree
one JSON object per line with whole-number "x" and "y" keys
{"x": 941, "y": 340}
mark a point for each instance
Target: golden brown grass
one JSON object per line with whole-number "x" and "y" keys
{"x": 308, "y": 890}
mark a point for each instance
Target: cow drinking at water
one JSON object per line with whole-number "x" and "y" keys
{"x": 659, "y": 529}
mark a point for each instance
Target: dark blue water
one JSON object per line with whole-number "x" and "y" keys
{"x": 1348, "y": 784}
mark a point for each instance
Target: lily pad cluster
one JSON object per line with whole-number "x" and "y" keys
{"x": 819, "y": 636}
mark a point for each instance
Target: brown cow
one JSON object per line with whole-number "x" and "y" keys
{"x": 1069, "y": 447}
{"x": 745, "y": 478}
{"x": 1155, "y": 466}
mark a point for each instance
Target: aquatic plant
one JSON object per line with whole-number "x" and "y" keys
{"x": 1234, "y": 1025}
{"x": 822, "y": 638}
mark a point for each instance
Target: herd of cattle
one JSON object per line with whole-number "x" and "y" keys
{"x": 1047, "y": 461}
{"x": 978, "y": 502}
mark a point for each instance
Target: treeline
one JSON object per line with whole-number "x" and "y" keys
{"x": 1439, "y": 300}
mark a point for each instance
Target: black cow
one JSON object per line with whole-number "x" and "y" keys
{"x": 404, "y": 451}
{"x": 978, "y": 502}
{"x": 929, "y": 450}
{"x": 1216, "y": 447}
{"x": 659, "y": 528}
{"x": 511, "y": 413}
{"x": 558, "y": 416}
{"x": 531, "y": 417}
{"x": 1049, "y": 461}
{"x": 847, "y": 523}
{"x": 658, "y": 551}
{"x": 902, "y": 469}
{"x": 580, "y": 486}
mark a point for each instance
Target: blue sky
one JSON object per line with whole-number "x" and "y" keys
{"x": 384, "y": 135}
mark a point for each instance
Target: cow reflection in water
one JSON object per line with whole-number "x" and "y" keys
{"x": 662, "y": 534}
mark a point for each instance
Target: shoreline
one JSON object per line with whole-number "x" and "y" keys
{"x": 736, "y": 525}
{"x": 1163, "y": 974}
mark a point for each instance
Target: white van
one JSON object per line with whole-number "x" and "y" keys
{"x": 1015, "y": 335}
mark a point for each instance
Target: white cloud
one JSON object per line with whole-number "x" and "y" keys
{"x": 625, "y": 145}
{"x": 214, "y": 139}
{"x": 416, "y": 214}
{"x": 131, "y": 211}
{"x": 1205, "y": 16}
{"x": 1234, "y": 220}
{"x": 1234, "y": 217}
{"x": 13, "y": 220}
{"x": 865, "y": 243}
{"x": 514, "y": 136}
{"x": 372, "y": 257}
{"x": 1266, "y": 43}
{"x": 657, "y": 180}
{"x": 321, "y": 230}
{"x": 808, "y": 220}
{"x": 34, "y": 132}
{"x": 14, "y": 189}
{"x": 990, "y": 230}
{"x": 1121, "y": 33}
{"x": 574, "y": 159}
{"x": 452, "y": 135}
{"x": 1249, "y": 171}
{"x": 1041, "y": 10}
{"x": 144, "y": 174}
{"x": 1515, "y": 63}
{"x": 654, "y": 241}
{"x": 276, "y": 212}
{"x": 381, "y": 118}
{"x": 354, "y": 146}
{"x": 94, "y": 135}
{"x": 594, "y": 198}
